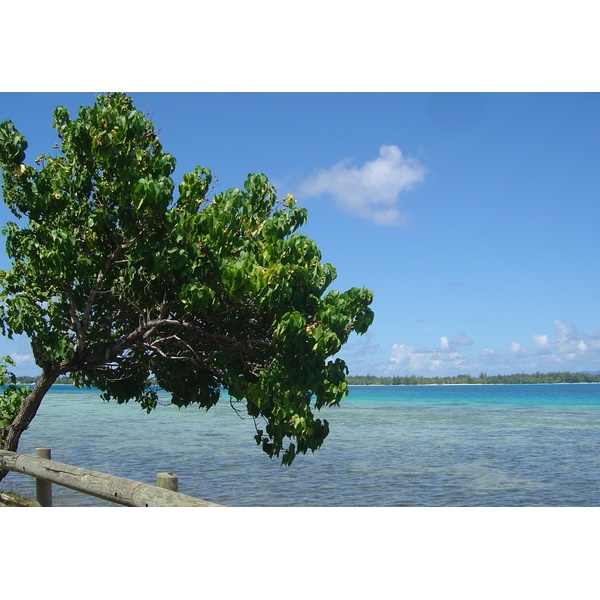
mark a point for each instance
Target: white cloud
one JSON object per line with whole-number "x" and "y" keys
{"x": 408, "y": 360}
{"x": 515, "y": 348}
{"x": 20, "y": 358}
{"x": 569, "y": 350}
{"x": 19, "y": 349}
{"x": 541, "y": 342}
{"x": 458, "y": 340}
{"x": 569, "y": 344}
{"x": 371, "y": 191}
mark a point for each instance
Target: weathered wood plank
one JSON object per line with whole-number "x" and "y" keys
{"x": 101, "y": 485}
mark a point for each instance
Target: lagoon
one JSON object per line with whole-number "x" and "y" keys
{"x": 448, "y": 445}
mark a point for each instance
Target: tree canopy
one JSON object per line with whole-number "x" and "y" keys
{"x": 121, "y": 279}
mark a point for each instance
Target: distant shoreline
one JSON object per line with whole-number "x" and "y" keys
{"x": 483, "y": 379}
{"x": 468, "y": 384}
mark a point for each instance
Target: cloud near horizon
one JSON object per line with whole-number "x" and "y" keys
{"x": 372, "y": 191}
{"x": 569, "y": 344}
{"x": 570, "y": 350}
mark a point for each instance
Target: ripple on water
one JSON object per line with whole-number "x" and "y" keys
{"x": 388, "y": 447}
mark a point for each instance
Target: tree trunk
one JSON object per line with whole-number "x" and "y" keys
{"x": 31, "y": 404}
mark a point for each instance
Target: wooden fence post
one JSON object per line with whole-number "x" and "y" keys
{"x": 43, "y": 489}
{"x": 167, "y": 481}
{"x": 101, "y": 485}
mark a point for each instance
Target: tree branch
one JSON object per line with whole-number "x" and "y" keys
{"x": 100, "y": 277}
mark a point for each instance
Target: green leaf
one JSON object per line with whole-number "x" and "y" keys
{"x": 125, "y": 286}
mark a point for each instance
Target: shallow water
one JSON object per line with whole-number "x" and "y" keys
{"x": 506, "y": 445}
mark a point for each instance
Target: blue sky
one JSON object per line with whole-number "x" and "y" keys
{"x": 472, "y": 217}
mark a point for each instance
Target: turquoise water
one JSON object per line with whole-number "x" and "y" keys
{"x": 505, "y": 445}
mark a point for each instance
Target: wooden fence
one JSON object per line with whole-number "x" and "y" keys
{"x": 93, "y": 483}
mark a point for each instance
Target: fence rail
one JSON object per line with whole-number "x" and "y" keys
{"x": 119, "y": 490}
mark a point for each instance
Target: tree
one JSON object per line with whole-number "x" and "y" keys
{"x": 120, "y": 282}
